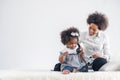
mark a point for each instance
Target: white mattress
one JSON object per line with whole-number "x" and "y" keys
{"x": 51, "y": 75}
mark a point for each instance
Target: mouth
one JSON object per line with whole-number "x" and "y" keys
{"x": 72, "y": 47}
{"x": 91, "y": 34}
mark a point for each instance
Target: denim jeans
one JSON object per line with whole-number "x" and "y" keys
{"x": 68, "y": 68}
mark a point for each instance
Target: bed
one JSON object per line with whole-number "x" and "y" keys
{"x": 54, "y": 75}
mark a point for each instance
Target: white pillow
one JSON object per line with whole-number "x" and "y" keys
{"x": 111, "y": 66}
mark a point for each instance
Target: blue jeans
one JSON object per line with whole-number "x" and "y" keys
{"x": 83, "y": 69}
{"x": 68, "y": 68}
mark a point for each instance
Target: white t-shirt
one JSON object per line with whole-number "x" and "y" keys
{"x": 70, "y": 51}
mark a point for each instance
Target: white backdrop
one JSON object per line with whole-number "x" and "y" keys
{"x": 30, "y": 29}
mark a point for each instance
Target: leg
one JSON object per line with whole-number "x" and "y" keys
{"x": 57, "y": 67}
{"x": 98, "y": 63}
{"x": 83, "y": 69}
{"x": 67, "y": 70}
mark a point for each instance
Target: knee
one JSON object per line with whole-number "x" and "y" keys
{"x": 68, "y": 68}
{"x": 98, "y": 63}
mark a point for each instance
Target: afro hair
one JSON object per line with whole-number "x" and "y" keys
{"x": 99, "y": 19}
{"x": 66, "y": 35}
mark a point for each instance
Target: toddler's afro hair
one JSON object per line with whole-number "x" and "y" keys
{"x": 66, "y": 35}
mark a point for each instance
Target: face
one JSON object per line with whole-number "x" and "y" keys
{"x": 93, "y": 29}
{"x": 72, "y": 43}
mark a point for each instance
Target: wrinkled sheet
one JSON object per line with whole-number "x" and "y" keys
{"x": 52, "y": 75}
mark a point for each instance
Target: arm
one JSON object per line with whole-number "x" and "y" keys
{"x": 81, "y": 39}
{"x": 106, "y": 50}
{"x": 62, "y": 57}
{"x": 82, "y": 54}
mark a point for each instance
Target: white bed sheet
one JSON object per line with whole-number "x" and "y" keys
{"x": 52, "y": 75}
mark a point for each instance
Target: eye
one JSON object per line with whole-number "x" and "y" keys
{"x": 90, "y": 28}
{"x": 94, "y": 30}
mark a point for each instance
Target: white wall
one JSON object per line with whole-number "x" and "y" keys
{"x": 29, "y": 29}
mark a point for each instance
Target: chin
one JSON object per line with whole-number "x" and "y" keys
{"x": 91, "y": 34}
{"x": 73, "y": 48}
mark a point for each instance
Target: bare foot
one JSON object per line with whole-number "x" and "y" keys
{"x": 65, "y": 71}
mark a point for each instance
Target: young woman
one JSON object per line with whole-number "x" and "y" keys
{"x": 95, "y": 42}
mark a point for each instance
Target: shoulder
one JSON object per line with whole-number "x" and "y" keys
{"x": 103, "y": 35}
{"x": 83, "y": 35}
{"x": 63, "y": 50}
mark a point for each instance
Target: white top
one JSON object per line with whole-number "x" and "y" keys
{"x": 72, "y": 59}
{"x": 95, "y": 44}
{"x": 70, "y": 51}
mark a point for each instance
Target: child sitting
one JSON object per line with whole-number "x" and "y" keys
{"x": 72, "y": 56}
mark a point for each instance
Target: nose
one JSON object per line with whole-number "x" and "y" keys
{"x": 73, "y": 45}
{"x": 91, "y": 31}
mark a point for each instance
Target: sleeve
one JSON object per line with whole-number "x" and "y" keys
{"x": 106, "y": 48}
{"x": 82, "y": 36}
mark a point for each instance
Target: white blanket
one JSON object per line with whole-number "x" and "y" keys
{"x": 52, "y": 75}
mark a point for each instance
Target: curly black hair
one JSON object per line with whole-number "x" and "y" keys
{"x": 66, "y": 35}
{"x": 99, "y": 19}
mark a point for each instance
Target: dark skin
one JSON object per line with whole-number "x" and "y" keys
{"x": 71, "y": 44}
{"x": 93, "y": 31}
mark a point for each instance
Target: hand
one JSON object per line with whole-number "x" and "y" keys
{"x": 96, "y": 55}
{"x": 65, "y": 53}
{"x": 62, "y": 57}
